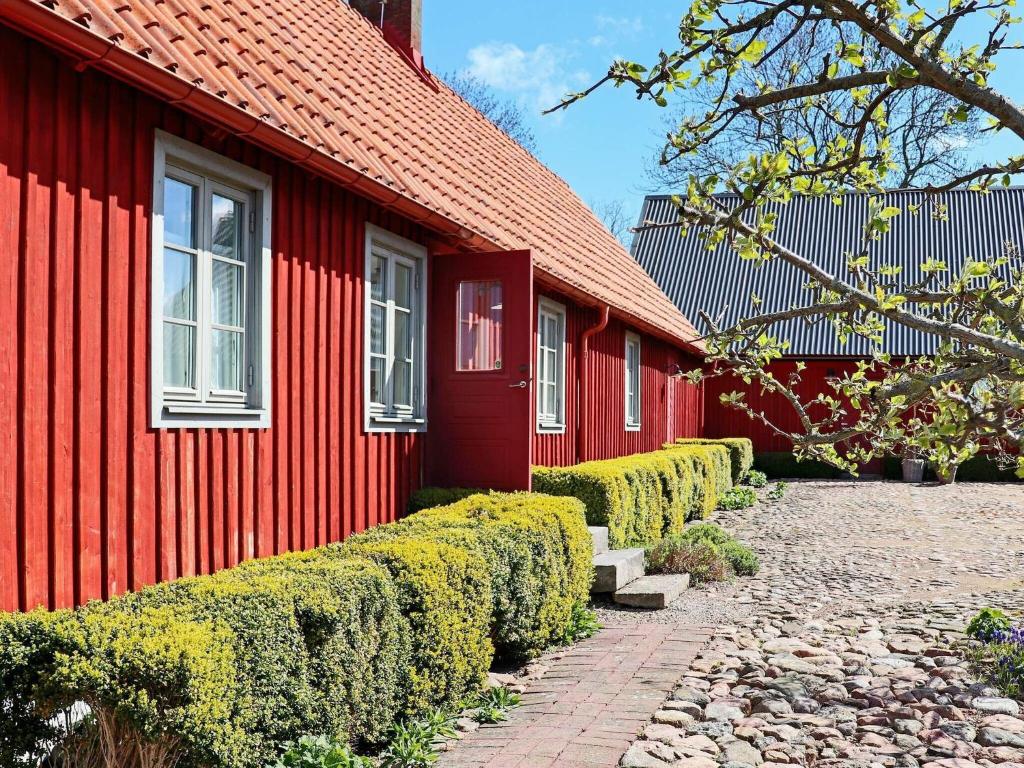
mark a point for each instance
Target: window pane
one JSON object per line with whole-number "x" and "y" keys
{"x": 403, "y": 383}
{"x": 480, "y": 325}
{"x": 179, "y": 285}
{"x": 403, "y": 337}
{"x": 179, "y": 354}
{"x": 377, "y": 380}
{"x": 226, "y": 360}
{"x": 179, "y": 209}
{"x": 226, "y": 227}
{"x": 378, "y": 276}
{"x": 227, "y": 293}
{"x": 377, "y": 329}
{"x": 403, "y": 286}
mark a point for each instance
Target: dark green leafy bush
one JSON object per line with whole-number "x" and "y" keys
{"x": 987, "y": 623}
{"x": 319, "y": 752}
{"x": 739, "y": 497}
{"x": 783, "y": 464}
{"x": 755, "y": 479}
{"x": 704, "y": 550}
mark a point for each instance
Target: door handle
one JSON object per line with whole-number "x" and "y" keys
{"x": 519, "y": 385}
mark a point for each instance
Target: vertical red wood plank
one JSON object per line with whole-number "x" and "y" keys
{"x": 36, "y": 336}
{"x": 203, "y": 515}
{"x": 13, "y": 86}
{"x": 88, "y": 274}
{"x": 62, "y": 345}
{"x": 306, "y": 325}
{"x": 247, "y": 483}
{"x": 119, "y": 136}
{"x": 232, "y": 534}
{"x": 335, "y": 345}
{"x": 218, "y": 505}
{"x": 321, "y": 416}
{"x": 143, "y": 489}
{"x": 351, "y": 372}
{"x": 167, "y": 528}
{"x": 297, "y": 372}
{"x": 185, "y": 516}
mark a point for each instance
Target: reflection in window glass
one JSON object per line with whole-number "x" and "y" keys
{"x": 226, "y": 214}
{"x": 179, "y": 210}
{"x": 479, "y": 326}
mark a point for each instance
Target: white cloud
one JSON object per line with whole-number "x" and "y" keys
{"x": 538, "y": 77}
{"x": 621, "y": 25}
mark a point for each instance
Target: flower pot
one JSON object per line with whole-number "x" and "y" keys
{"x": 913, "y": 470}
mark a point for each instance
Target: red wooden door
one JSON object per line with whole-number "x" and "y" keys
{"x": 481, "y": 384}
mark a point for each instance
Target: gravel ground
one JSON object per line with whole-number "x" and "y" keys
{"x": 843, "y": 650}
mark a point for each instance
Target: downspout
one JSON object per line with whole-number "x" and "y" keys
{"x": 581, "y": 432}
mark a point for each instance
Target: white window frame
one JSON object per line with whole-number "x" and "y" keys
{"x": 203, "y": 407}
{"x": 634, "y": 378}
{"x": 551, "y": 423}
{"x": 390, "y": 417}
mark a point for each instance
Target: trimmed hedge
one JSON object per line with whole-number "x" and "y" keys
{"x": 783, "y": 464}
{"x": 741, "y": 452}
{"x": 430, "y": 497}
{"x": 218, "y": 671}
{"x": 641, "y": 498}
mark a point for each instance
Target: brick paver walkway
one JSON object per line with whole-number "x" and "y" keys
{"x": 590, "y": 704}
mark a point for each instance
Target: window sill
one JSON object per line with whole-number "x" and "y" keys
{"x": 395, "y": 424}
{"x": 551, "y": 429}
{"x": 632, "y": 427}
{"x": 191, "y": 415}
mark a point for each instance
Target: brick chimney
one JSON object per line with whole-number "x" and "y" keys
{"x": 401, "y": 22}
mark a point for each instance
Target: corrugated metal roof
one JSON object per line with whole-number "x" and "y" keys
{"x": 317, "y": 71}
{"x": 718, "y": 281}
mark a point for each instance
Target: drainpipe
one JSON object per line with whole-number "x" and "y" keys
{"x": 581, "y": 432}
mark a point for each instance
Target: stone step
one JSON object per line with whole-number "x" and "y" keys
{"x": 616, "y": 568}
{"x": 599, "y": 535}
{"x": 655, "y": 591}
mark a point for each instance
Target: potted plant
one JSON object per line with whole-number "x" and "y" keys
{"x": 913, "y": 466}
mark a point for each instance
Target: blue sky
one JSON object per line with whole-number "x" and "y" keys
{"x": 534, "y": 51}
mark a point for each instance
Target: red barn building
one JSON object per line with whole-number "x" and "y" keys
{"x": 718, "y": 282}
{"x": 264, "y": 275}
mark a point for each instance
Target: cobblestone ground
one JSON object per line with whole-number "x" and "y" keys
{"x": 842, "y": 651}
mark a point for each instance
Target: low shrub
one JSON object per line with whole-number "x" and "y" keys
{"x": 704, "y": 550}
{"x": 738, "y": 498}
{"x": 427, "y": 498}
{"x": 741, "y": 452}
{"x": 642, "y": 497}
{"x": 538, "y": 551}
{"x": 755, "y": 479}
{"x": 337, "y": 642}
{"x": 582, "y": 624}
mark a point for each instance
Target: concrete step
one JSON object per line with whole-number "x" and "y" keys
{"x": 655, "y": 591}
{"x": 616, "y": 568}
{"x": 599, "y": 534}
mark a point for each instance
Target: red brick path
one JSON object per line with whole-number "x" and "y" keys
{"x": 590, "y": 705}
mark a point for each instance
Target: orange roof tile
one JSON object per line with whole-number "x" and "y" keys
{"x": 322, "y": 74}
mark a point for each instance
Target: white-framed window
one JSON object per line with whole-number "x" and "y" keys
{"x": 395, "y": 320}
{"x": 550, "y": 366}
{"x": 210, "y": 340}
{"x": 632, "y": 382}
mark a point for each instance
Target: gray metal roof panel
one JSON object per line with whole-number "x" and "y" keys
{"x": 718, "y": 281}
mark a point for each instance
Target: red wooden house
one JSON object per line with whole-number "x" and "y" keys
{"x": 264, "y": 275}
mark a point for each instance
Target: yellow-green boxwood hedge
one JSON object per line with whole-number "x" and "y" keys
{"x": 341, "y": 640}
{"x": 741, "y": 452}
{"x": 641, "y": 498}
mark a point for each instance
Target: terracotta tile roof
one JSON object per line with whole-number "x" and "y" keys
{"x": 319, "y": 72}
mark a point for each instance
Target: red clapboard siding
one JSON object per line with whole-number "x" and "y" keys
{"x": 725, "y": 421}
{"x": 606, "y": 434}
{"x": 92, "y": 501}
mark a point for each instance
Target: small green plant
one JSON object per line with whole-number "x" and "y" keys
{"x": 319, "y": 752}
{"x": 777, "y": 491}
{"x": 416, "y": 743}
{"x": 755, "y": 479}
{"x": 493, "y": 704}
{"x": 741, "y": 558}
{"x": 987, "y": 623}
{"x": 581, "y": 625}
{"x": 738, "y": 497}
